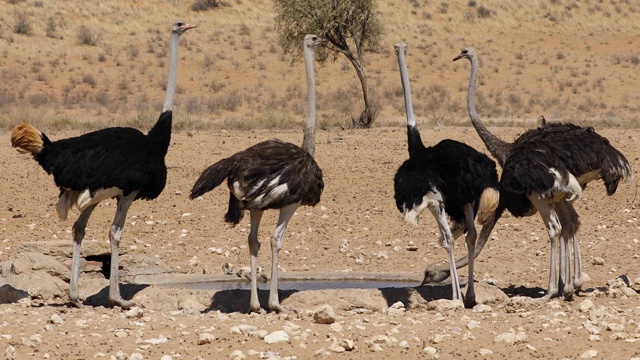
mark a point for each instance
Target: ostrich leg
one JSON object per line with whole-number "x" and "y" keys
{"x": 472, "y": 236}
{"x": 78, "y": 234}
{"x": 570, "y": 223}
{"x": 254, "y": 247}
{"x": 436, "y": 206}
{"x": 117, "y": 228}
{"x": 276, "y": 244}
{"x": 435, "y": 273}
{"x": 554, "y": 228}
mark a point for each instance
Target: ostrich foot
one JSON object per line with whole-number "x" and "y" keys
{"x": 282, "y": 310}
{"x": 119, "y": 301}
{"x": 76, "y": 303}
{"x": 470, "y": 302}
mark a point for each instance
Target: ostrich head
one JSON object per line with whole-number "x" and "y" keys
{"x": 400, "y": 46}
{"x": 466, "y": 53}
{"x": 311, "y": 41}
{"x": 180, "y": 27}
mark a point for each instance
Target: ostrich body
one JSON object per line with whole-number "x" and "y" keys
{"x": 270, "y": 175}
{"x": 118, "y": 162}
{"x": 449, "y": 178}
{"x": 545, "y": 170}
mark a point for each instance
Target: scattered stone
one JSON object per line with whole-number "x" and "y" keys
{"x": 397, "y": 309}
{"x": 205, "y": 338}
{"x": 597, "y": 261}
{"x": 248, "y": 330}
{"x": 348, "y": 344}
{"x": 190, "y": 304}
{"x": 383, "y": 255}
{"x": 485, "y": 352}
{"x": 324, "y": 315}
{"x": 336, "y": 327}
{"x": 589, "y": 354}
{"x": 511, "y": 338}
{"x": 56, "y": 319}
{"x": 156, "y": 341}
{"x": 166, "y": 357}
{"x": 519, "y": 304}
{"x": 375, "y": 347}
{"x": 237, "y": 355}
{"x": 482, "y": 308}
{"x": 444, "y": 305}
{"x": 277, "y": 337}
{"x": 134, "y": 313}
{"x": 429, "y": 350}
{"x": 586, "y": 305}
{"x": 136, "y": 356}
{"x": 10, "y": 353}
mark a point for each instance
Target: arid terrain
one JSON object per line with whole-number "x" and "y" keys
{"x": 355, "y": 228}
{"x": 73, "y": 66}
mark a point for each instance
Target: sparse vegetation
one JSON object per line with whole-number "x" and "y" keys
{"x": 22, "y": 23}
{"x": 204, "y": 5}
{"x": 560, "y": 64}
{"x": 87, "y": 35}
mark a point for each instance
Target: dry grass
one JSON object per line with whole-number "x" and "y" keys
{"x": 87, "y": 65}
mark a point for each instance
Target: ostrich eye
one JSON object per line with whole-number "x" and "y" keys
{"x": 180, "y": 24}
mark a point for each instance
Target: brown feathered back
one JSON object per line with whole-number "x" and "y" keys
{"x": 27, "y": 139}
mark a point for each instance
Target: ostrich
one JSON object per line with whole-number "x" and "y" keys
{"x": 117, "y": 162}
{"x": 448, "y": 178}
{"x": 270, "y": 175}
{"x": 545, "y": 170}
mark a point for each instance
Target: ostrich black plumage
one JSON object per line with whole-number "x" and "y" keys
{"x": 118, "y": 162}
{"x": 270, "y": 175}
{"x": 545, "y": 170}
{"x": 449, "y": 178}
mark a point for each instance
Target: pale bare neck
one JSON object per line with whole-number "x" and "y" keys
{"x": 406, "y": 87}
{"x": 496, "y": 146}
{"x": 173, "y": 70}
{"x": 309, "y": 139}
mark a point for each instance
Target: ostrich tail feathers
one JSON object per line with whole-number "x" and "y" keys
{"x": 27, "y": 139}
{"x": 211, "y": 177}
{"x": 235, "y": 212}
{"x": 488, "y": 204}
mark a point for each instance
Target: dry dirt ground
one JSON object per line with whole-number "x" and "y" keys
{"x": 355, "y": 228}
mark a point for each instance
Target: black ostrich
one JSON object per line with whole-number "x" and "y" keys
{"x": 448, "y": 178}
{"x": 118, "y": 162}
{"x": 270, "y": 175}
{"x": 545, "y": 170}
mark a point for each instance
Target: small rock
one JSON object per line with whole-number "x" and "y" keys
{"x": 429, "y": 350}
{"x": 397, "y": 309}
{"x": 375, "y": 347}
{"x": 56, "y": 319}
{"x": 348, "y": 344}
{"x": 166, "y": 357}
{"x": 444, "y": 305}
{"x": 136, "y": 356}
{"x": 597, "y": 261}
{"x": 383, "y": 255}
{"x": 277, "y": 337}
{"x": 482, "y": 308}
{"x": 134, "y": 313}
{"x": 237, "y": 355}
{"x": 10, "y": 353}
{"x": 485, "y": 352}
{"x": 335, "y": 327}
{"x": 586, "y": 305}
{"x": 511, "y": 338}
{"x": 324, "y": 315}
{"x": 589, "y": 354}
{"x": 205, "y": 338}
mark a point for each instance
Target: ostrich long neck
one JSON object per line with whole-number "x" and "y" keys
{"x": 496, "y": 146}
{"x": 173, "y": 70}
{"x": 309, "y": 139}
{"x": 161, "y": 131}
{"x": 414, "y": 140}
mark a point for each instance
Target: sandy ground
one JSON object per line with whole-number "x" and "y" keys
{"x": 355, "y": 228}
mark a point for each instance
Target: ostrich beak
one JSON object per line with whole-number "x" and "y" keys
{"x": 188, "y": 26}
{"x": 458, "y": 57}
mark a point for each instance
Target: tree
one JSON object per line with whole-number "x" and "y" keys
{"x": 345, "y": 24}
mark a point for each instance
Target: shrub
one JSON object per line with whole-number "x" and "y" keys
{"x": 484, "y": 12}
{"x": 87, "y": 35}
{"x": 22, "y": 25}
{"x": 204, "y": 5}
{"x": 51, "y": 27}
